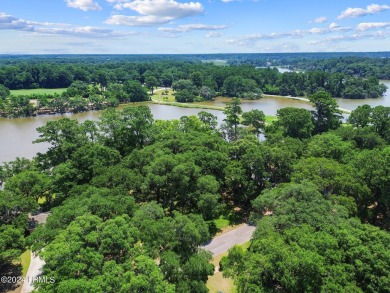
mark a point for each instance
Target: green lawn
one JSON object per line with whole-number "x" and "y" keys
{"x": 25, "y": 260}
{"x": 36, "y": 91}
{"x": 217, "y": 283}
{"x": 270, "y": 119}
{"x": 159, "y": 95}
{"x": 221, "y": 222}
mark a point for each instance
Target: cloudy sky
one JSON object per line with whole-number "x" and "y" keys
{"x": 191, "y": 26}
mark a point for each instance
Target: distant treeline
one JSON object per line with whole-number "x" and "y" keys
{"x": 258, "y": 59}
{"x": 355, "y": 66}
{"x": 101, "y": 85}
{"x": 61, "y": 72}
{"x": 359, "y": 65}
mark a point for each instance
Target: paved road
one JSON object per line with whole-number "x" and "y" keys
{"x": 223, "y": 243}
{"x": 40, "y": 218}
{"x": 36, "y": 264}
{"x": 217, "y": 246}
{"x": 34, "y": 270}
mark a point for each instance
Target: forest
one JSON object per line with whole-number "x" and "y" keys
{"x": 94, "y": 86}
{"x": 133, "y": 198}
{"x": 355, "y": 66}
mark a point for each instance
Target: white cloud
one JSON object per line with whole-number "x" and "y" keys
{"x": 321, "y": 19}
{"x": 358, "y": 12}
{"x": 228, "y": 1}
{"x": 11, "y": 22}
{"x": 213, "y": 35}
{"x": 250, "y": 40}
{"x": 333, "y": 27}
{"x": 286, "y": 47}
{"x": 191, "y": 27}
{"x": 163, "y": 8}
{"x": 143, "y": 20}
{"x": 8, "y": 22}
{"x": 153, "y": 12}
{"x": 350, "y": 37}
{"x": 372, "y": 25}
{"x": 84, "y": 32}
{"x": 85, "y": 5}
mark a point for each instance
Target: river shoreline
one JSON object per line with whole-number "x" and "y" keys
{"x": 345, "y": 111}
{"x": 345, "y": 105}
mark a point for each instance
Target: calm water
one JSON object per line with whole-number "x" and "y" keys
{"x": 353, "y": 104}
{"x": 16, "y": 135}
{"x": 269, "y": 105}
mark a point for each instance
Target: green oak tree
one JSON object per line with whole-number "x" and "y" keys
{"x": 326, "y": 115}
{"x": 295, "y": 122}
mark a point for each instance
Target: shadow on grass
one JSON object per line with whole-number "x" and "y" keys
{"x": 9, "y": 270}
{"x": 235, "y": 217}
{"x": 228, "y": 218}
{"x": 213, "y": 229}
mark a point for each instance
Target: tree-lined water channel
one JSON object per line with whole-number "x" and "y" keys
{"x": 17, "y": 135}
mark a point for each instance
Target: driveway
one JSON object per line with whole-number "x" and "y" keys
{"x": 223, "y": 243}
{"x": 34, "y": 270}
{"x": 36, "y": 264}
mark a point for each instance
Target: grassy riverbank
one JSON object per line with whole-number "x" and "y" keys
{"x": 37, "y": 92}
{"x": 345, "y": 111}
{"x": 166, "y": 97}
{"x": 268, "y": 119}
{"x": 188, "y": 105}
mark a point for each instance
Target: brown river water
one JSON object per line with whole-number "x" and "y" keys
{"x": 17, "y": 135}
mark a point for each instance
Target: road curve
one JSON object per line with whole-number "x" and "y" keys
{"x": 216, "y": 246}
{"x": 223, "y": 243}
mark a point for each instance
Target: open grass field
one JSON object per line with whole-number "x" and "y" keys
{"x": 36, "y": 91}
{"x": 217, "y": 283}
{"x": 160, "y": 95}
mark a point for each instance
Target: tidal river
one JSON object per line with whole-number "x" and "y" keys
{"x": 17, "y": 135}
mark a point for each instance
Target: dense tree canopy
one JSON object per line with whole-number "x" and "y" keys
{"x": 132, "y": 199}
{"x": 326, "y": 115}
{"x": 309, "y": 245}
{"x": 142, "y": 190}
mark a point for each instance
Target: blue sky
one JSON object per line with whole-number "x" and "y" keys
{"x": 181, "y": 26}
